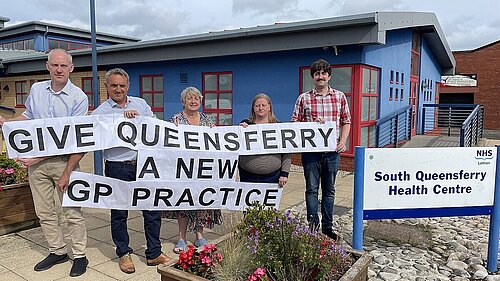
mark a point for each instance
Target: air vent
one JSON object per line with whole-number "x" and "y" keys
{"x": 183, "y": 78}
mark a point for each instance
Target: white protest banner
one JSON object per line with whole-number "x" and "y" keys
{"x": 67, "y": 135}
{"x": 45, "y": 137}
{"x": 88, "y": 190}
{"x": 184, "y": 165}
{"x": 416, "y": 178}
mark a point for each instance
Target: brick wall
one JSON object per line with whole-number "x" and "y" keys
{"x": 8, "y": 98}
{"x": 346, "y": 162}
{"x": 484, "y": 62}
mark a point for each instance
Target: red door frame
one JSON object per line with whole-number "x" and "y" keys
{"x": 413, "y": 99}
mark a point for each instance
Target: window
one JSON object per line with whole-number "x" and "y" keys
{"x": 21, "y": 93}
{"x": 369, "y": 105}
{"x": 53, "y": 44}
{"x": 397, "y": 94}
{"x": 66, "y": 45}
{"x": 392, "y": 77}
{"x": 415, "y": 54}
{"x": 19, "y": 45}
{"x": 391, "y": 90}
{"x": 218, "y": 97}
{"x": 368, "y": 134}
{"x": 341, "y": 79}
{"x": 28, "y": 44}
{"x": 397, "y": 77}
{"x": 87, "y": 88}
{"x": 152, "y": 93}
{"x": 401, "y": 96}
{"x": 402, "y": 78}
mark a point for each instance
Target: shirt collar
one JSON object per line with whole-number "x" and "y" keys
{"x": 115, "y": 104}
{"x": 330, "y": 91}
{"x": 65, "y": 89}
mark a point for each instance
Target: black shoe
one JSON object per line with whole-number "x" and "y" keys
{"x": 330, "y": 233}
{"x": 79, "y": 266}
{"x": 51, "y": 260}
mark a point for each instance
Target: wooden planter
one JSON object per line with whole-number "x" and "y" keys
{"x": 358, "y": 271}
{"x": 17, "y": 211}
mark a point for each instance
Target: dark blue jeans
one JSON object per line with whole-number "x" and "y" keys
{"x": 320, "y": 167}
{"x": 152, "y": 219}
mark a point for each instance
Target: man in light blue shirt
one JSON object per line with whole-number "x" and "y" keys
{"x": 57, "y": 97}
{"x": 120, "y": 163}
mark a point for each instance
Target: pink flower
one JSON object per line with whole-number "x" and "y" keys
{"x": 206, "y": 260}
{"x": 257, "y": 275}
{"x": 261, "y": 272}
{"x": 9, "y": 171}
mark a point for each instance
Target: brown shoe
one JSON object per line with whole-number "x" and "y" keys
{"x": 161, "y": 259}
{"x": 126, "y": 264}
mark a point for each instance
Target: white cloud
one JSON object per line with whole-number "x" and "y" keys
{"x": 466, "y": 25}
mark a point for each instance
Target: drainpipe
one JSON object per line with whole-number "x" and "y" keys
{"x": 46, "y": 41}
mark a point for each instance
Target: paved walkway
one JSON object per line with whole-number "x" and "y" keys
{"x": 19, "y": 252}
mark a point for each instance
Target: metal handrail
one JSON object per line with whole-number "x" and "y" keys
{"x": 448, "y": 118}
{"x": 464, "y": 120}
{"x": 472, "y": 128}
{"x": 394, "y": 128}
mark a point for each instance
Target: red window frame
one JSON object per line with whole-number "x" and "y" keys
{"x": 152, "y": 92}
{"x": 90, "y": 94}
{"x": 369, "y": 123}
{"x": 216, "y": 111}
{"x": 20, "y": 94}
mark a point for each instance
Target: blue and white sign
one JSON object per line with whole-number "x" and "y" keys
{"x": 427, "y": 182}
{"x": 414, "y": 178}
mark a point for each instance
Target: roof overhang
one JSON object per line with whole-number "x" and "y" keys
{"x": 49, "y": 28}
{"x": 363, "y": 29}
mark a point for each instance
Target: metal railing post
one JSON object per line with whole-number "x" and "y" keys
{"x": 449, "y": 121}
{"x": 423, "y": 121}
{"x": 396, "y": 134}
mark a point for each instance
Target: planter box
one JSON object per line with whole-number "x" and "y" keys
{"x": 17, "y": 211}
{"x": 357, "y": 272}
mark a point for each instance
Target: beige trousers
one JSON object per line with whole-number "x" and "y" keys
{"x": 43, "y": 178}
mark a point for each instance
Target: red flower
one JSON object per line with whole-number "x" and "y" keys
{"x": 199, "y": 263}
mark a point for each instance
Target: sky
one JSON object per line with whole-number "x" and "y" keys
{"x": 466, "y": 24}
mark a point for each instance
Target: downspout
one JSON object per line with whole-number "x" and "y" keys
{"x": 46, "y": 41}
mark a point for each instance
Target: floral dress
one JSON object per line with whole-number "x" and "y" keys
{"x": 196, "y": 218}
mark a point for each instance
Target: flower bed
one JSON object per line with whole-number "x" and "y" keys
{"x": 357, "y": 272}
{"x": 272, "y": 245}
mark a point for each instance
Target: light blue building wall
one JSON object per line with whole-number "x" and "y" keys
{"x": 394, "y": 56}
{"x": 276, "y": 74}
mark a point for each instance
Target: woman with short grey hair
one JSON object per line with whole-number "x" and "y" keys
{"x": 192, "y": 220}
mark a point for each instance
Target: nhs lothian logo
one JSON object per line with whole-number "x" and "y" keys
{"x": 482, "y": 156}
